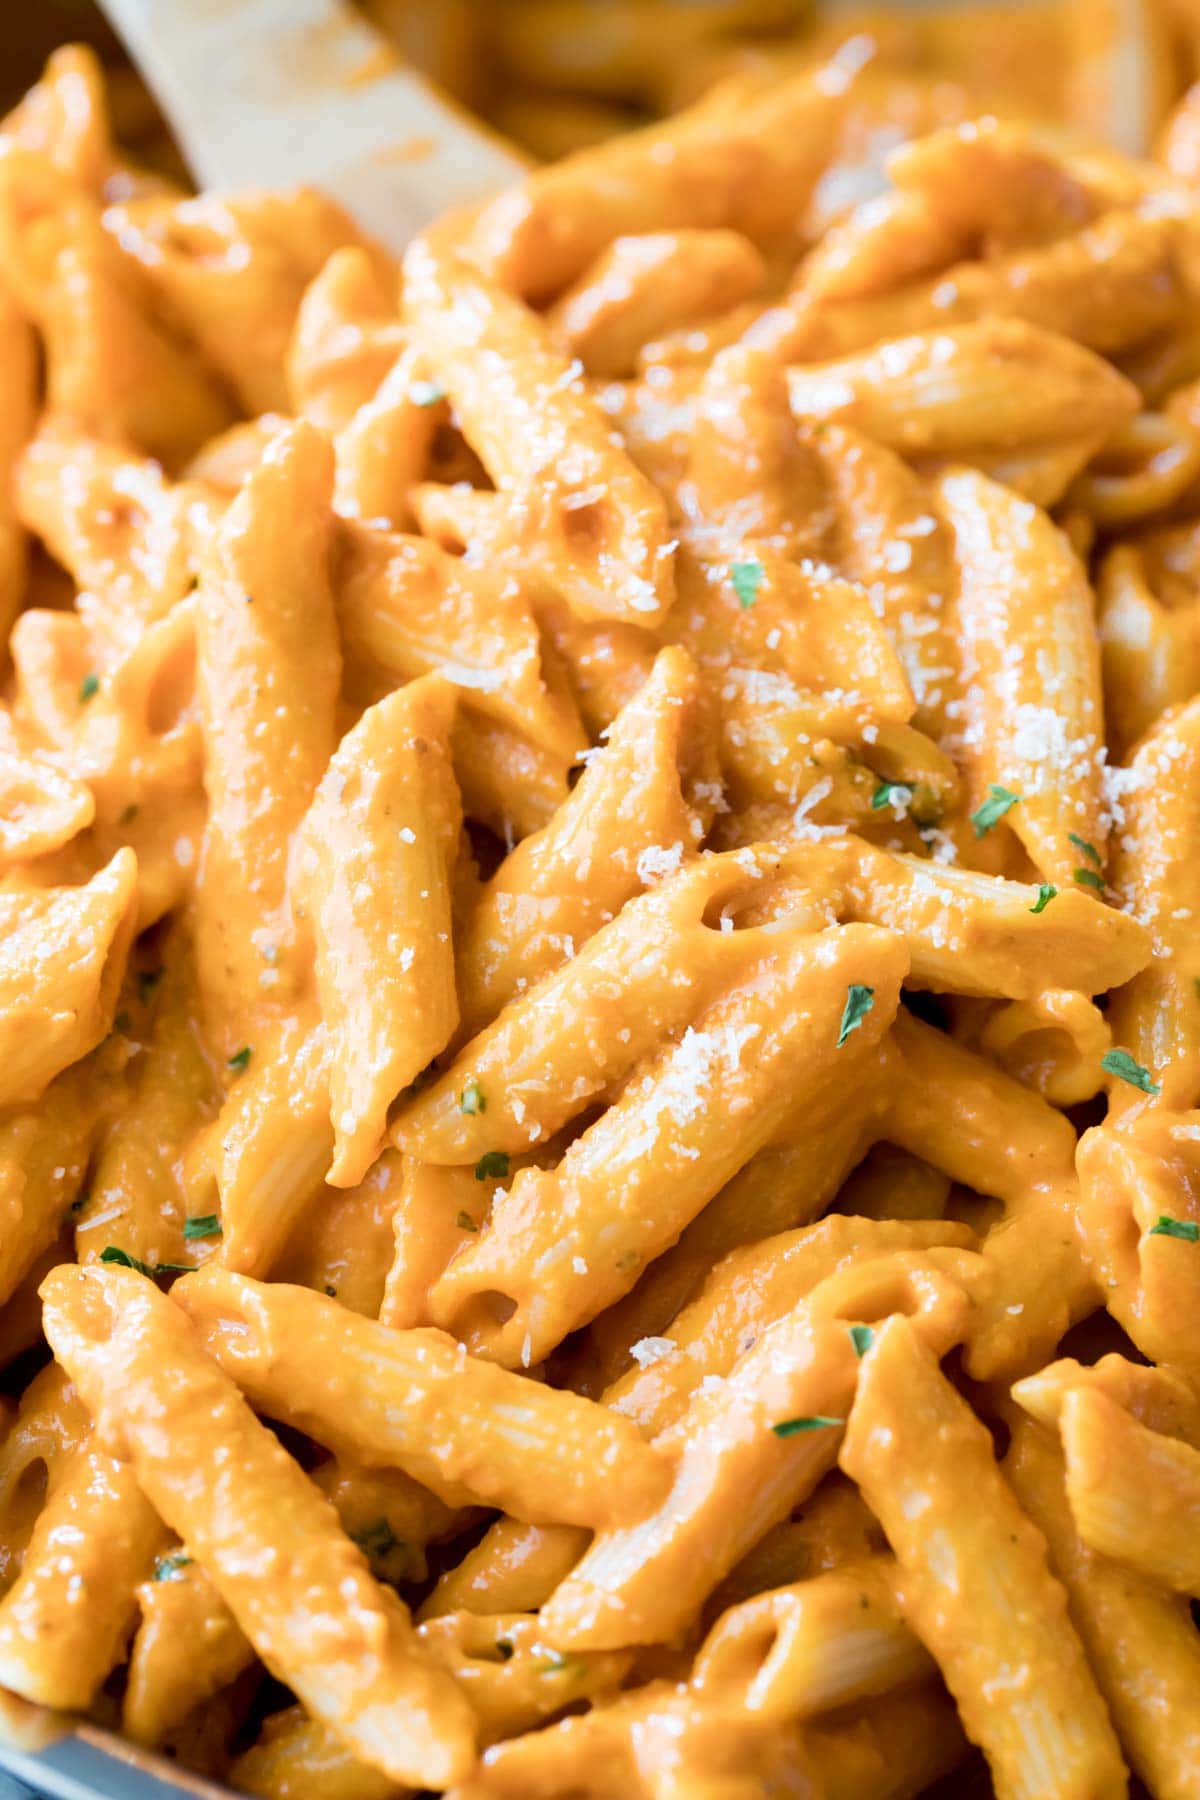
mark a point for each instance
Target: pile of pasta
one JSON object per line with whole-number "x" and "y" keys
{"x": 600, "y": 972}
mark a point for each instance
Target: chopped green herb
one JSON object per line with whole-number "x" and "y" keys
{"x": 504, "y": 1650}
{"x": 883, "y": 794}
{"x": 147, "y": 981}
{"x": 628, "y": 1259}
{"x": 472, "y": 1099}
{"x": 376, "y": 1539}
{"x": 814, "y": 1422}
{"x": 89, "y": 687}
{"x": 1121, "y": 1064}
{"x": 862, "y": 1337}
{"x": 993, "y": 809}
{"x": 747, "y": 577}
{"x": 425, "y": 393}
{"x": 208, "y": 1225}
{"x": 79, "y": 1202}
{"x": 859, "y": 1001}
{"x": 1166, "y": 1226}
{"x": 1046, "y": 893}
{"x": 111, "y": 1254}
{"x": 1084, "y": 848}
{"x": 492, "y": 1163}
{"x": 240, "y": 1059}
{"x": 1089, "y": 878}
{"x": 465, "y": 1222}
{"x": 169, "y": 1568}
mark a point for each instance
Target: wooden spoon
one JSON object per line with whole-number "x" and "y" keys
{"x": 271, "y": 93}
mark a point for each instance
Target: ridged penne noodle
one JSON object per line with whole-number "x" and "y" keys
{"x": 1035, "y": 1710}
{"x": 269, "y": 1501}
{"x": 372, "y": 882}
{"x": 346, "y": 338}
{"x": 600, "y": 526}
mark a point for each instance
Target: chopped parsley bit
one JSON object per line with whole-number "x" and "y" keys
{"x": 628, "y": 1259}
{"x": 168, "y": 1568}
{"x": 79, "y": 1202}
{"x": 465, "y": 1222}
{"x": 1046, "y": 893}
{"x": 1166, "y": 1226}
{"x": 472, "y": 1099}
{"x": 1084, "y": 848}
{"x": 240, "y": 1059}
{"x": 1121, "y": 1064}
{"x": 122, "y": 1022}
{"x": 376, "y": 1539}
{"x": 815, "y": 1422}
{"x": 1089, "y": 878}
{"x": 859, "y": 1001}
{"x": 747, "y": 577}
{"x": 89, "y": 687}
{"x": 111, "y": 1254}
{"x": 993, "y": 809}
{"x": 208, "y": 1225}
{"x": 425, "y": 393}
{"x": 492, "y": 1163}
{"x": 504, "y": 1650}
{"x": 883, "y": 794}
{"x": 862, "y": 1337}
{"x": 147, "y": 981}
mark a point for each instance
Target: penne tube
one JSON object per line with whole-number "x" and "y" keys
{"x": 374, "y": 860}
{"x": 599, "y": 525}
{"x": 1140, "y": 1640}
{"x": 540, "y": 1453}
{"x": 1033, "y": 722}
{"x": 381, "y": 452}
{"x": 1134, "y": 1494}
{"x": 346, "y": 337}
{"x": 267, "y": 682}
{"x": 814, "y": 1646}
{"x": 62, "y": 959}
{"x": 65, "y": 1621}
{"x": 641, "y": 804}
{"x": 967, "y": 1554}
{"x": 44, "y": 1153}
{"x": 187, "y": 1648}
{"x": 1160, "y": 1398}
{"x": 737, "y": 1475}
{"x": 136, "y": 1361}
{"x": 678, "y": 1132}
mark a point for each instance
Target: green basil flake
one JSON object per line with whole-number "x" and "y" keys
{"x": 1166, "y": 1226}
{"x": 425, "y": 393}
{"x": 747, "y": 577}
{"x": 492, "y": 1163}
{"x": 883, "y": 794}
{"x": 111, "y": 1254}
{"x": 472, "y": 1098}
{"x": 1122, "y": 1065}
{"x": 465, "y": 1222}
{"x": 1046, "y": 893}
{"x": 376, "y": 1539}
{"x": 859, "y": 1001}
{"x": 209, "y": 1225}
{"x": 1084, "y": 848}
{"x": 240, "y": 1059}
{"x": 998, "y": 802}
{"x": 168, "y": 1568}
{"x": 147, "y": 981}
{"x": 814, "y": 1422}
{"x": 89, "y": 687}
{"x": 1089, "y": 878}
{"x": 862, "y": 1337}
